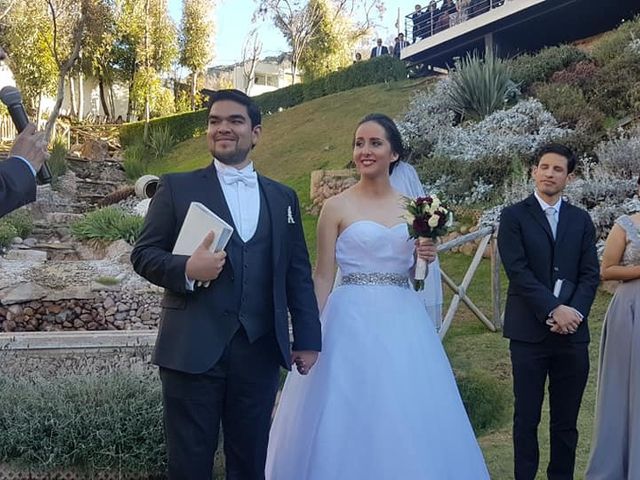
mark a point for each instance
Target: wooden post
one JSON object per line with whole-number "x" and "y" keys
{"x": 455, "y": 302}
{"x": 495, "y": 283}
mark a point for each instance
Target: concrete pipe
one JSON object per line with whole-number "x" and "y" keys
{"x": 146, "y": 186}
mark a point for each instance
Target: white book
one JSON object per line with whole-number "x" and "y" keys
{"x": 198, "y": 222}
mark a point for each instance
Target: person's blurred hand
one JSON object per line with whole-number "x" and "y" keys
{"x": 32, "y": 146}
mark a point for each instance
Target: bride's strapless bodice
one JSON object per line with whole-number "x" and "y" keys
{"x": 366, "y": 246}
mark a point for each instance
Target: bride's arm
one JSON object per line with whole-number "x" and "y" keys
{"x": 327, "y": 235}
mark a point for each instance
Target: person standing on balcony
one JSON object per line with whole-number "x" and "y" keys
{"x": 379, "y": 49}
{"x": 400, "y": 44}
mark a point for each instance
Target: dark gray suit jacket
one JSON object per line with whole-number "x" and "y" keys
{"x": 17, "y": 185}
{"x": 196, "y": 326}
{"x": 534, "y": 261}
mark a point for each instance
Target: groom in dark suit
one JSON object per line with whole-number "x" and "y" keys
{"x": 220, "y": 347}
{"x": 548, "y": 249}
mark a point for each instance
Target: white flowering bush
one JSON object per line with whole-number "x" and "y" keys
{"x": 428, "y": 128}
{"x": 621, "y": 156}
{"x": 514, "y": 132}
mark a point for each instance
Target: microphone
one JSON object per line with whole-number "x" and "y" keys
{"x": 11, "y": 97}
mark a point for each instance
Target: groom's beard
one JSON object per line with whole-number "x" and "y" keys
{"x": 234, "y": 157}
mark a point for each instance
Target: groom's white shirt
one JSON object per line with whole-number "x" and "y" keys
{"x": 243, "y": 202}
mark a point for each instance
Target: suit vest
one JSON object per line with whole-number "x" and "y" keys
{"x": 252, "y": 264}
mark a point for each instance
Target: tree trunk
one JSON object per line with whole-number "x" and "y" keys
{"x": 103, "y": 99}
{"x": 112, "y": 102}
{"x": 80, "y": 96}
{"x": 194, "y": 79}
{"x": 39, "y": 110}
{"x": 48, "y": 130}
{"x": 72, "y": 97}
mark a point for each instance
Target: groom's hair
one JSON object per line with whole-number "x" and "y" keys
{"x": 242, "y": 98}
{"x": 391, "y": 131}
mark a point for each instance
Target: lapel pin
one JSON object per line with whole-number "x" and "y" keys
{"x": 290, "y": 215}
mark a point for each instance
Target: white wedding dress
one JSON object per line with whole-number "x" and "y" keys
{"x": 381, "y": 402}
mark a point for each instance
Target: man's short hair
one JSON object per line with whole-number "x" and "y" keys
{"x": 558, "y": 149}
{"x": 242, "y": 98}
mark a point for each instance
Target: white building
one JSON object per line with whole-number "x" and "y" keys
{"x": 271, "y": 73}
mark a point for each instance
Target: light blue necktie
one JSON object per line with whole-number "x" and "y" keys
{"x": 550, "y": 212}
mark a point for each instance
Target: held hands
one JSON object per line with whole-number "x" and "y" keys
{"x": 426, "y": 249}
{"x": 204, "y": 265}
{"x": 565, "y": 320}
{"x": 32, "y": 146}
{"x": 304, "y": 360}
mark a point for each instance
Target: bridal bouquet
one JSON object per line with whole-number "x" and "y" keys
{"x": 426, "y": 217}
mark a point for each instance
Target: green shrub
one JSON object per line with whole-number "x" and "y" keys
{"x": 581, "y": 75}
{"x": 86, "y": 423}
{"x": 484, "y": 398}
{"x": 616, "y": 42}
{"x": 7, "y": 233}
{"x": 479, "y": 86}
{"x": 377, "y": 70}
{"x": 527, "y": 69}
{"x": 135, "y": 160}
{"x": 160, "y": 141}
{"x": 57, "y": 161}
{"x": 108, "y": 225}
{"x": 22, "y": 221}
{"x": 462, "y": 175}
{"x": 568, "y": 105}
{"x": 613, "y": 83}
{"x": 181, "y": 126}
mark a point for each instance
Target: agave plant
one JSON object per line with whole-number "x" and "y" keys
{"x": 479, "y": 86}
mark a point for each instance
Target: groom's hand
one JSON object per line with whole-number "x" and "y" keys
{"x": 205, "y": 265}
{"x": 304, "y": 360}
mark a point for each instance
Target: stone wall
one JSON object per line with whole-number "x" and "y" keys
{"x": 108, "y": 310}
{"x": 327, "y": 183}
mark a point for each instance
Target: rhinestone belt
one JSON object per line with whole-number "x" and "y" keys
{"x": 376, "y": 278}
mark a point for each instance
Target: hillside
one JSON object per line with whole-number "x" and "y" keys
{"x": 310, "y": 136}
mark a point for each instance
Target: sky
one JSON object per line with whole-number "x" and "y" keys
{"x": 233, "y": 23}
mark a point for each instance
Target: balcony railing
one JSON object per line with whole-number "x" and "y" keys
{"x": 443, "y": 14}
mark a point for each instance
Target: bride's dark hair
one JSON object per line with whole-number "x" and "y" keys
{"x": 391, "y": 130}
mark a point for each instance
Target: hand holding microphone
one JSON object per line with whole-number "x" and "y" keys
{"x": 29, "y": 144}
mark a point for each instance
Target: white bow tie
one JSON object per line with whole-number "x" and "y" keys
{"x": 231, "y": 176}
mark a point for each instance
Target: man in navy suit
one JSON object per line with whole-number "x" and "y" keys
{"x": 548, "y": 249}
{"x": 379, "y": 49}
{"x": 220, "y": 347}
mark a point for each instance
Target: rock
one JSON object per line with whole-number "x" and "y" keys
{"x": 58, "y": 218}
{"x": 29, "y": 242}
{"x": 54, "y": 309}
{"x": 22, "y": 293}
{"x": 95, "y": 149}
{"x": 142, "y": 207}
{"x": 17, "y": 241}
{"x": 71, "y": 292}
{"x": 119, "y": 251}
{"x": 26, "y": 255}
{"x": 16, "y": 309}
{"x": 77, "y": 323}
{"x": 468, "y": 249}
{"x": 108, "y": 303}
{"x": 9, "y": 325}
{"x": 122, "y": 307}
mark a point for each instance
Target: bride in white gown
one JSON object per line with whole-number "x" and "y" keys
{"x": 381, "y": 403}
